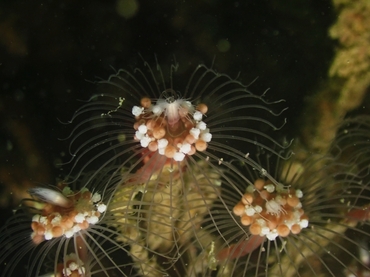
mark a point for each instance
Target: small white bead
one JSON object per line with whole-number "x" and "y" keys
{"x": 67, "y": 272}
{"x": 43, "y": 220}
{"x": 303, "y": 223}
{"x": 207, "y": 137}
{"x": 272, "y": 235}
{"x": 139, "y": 135}
{"x": 68, "y": 233}
{"x": 36, "y": 218}
{"x": 162, "y": 143}
{"x": 265, "y": 230}
{"x": 92, "y": 219}
{"x": 73, "y": 266}
{"x": 185, "y": 148}
{"x": 250, "y": 211}
{"x": 79, "y": 218}
{"x": 56, "y": 220}
{"x": 96, "y": 197}
{"x": 201, "y": 125}
{"x": 261, "y": 222}
{"x": 76, "y": 229}
{"x": 179, "y": 156}
{"x": 144, "y": 142}
{"x": 102, "y": 207}
{"x": 194, "y": 132}
{"x": 197, "y": 116}
{"x": 48, "y": 235}
{"x": 157, "y": 110}
{"x": 258, "y": 209}
{"x": 270, "y": 188}
{"x": 136, "y": 111}
{"x": 143, "y": 129}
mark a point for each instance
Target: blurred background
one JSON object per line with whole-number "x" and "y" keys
{"x": 51, "y": 50}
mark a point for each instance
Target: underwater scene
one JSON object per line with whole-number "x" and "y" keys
{"x": 185, "y": 138}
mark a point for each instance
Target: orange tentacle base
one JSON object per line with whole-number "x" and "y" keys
{"x": 359, "y": 214}
{"x": 241, "y": 248}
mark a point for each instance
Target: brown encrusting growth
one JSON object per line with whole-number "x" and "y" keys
{"x": 349, "y": 76}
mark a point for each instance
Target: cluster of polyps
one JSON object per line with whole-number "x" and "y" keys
{"x": 173, "y": 127}
{"x": 71, "y": 267}
{"x": 64, "y": 213}
{"x": 271, "y": 210}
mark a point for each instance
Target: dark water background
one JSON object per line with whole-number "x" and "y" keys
{"x": 48, "y": 49}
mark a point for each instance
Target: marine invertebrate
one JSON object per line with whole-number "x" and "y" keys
{"x": 160, "y": 215}
{"x": 172, "y": 126}
{"x": 162, "y": 147}
{"x": 64, "y": 213}
{"x": 62, "y": 231}
{"x": 169, "y": 139}
{"x": 296, "y": 219}
{"x": 271, "y": 210}
{"x": 167, "y": 116}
